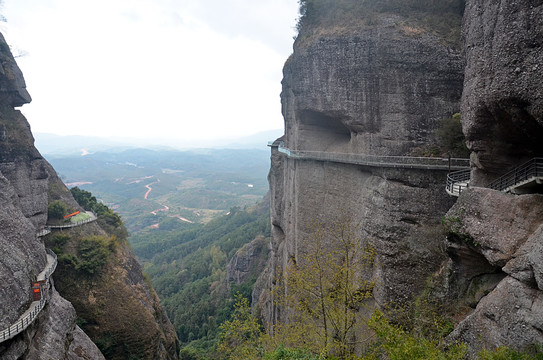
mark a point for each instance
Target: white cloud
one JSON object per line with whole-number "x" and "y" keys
{"x": 163, "y": 68}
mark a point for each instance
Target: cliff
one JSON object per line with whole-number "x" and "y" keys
{"x": 25, "y": 183}
{"x": 496, "y": 246}
{"x": 380, "y": 86}
{"x": 370, "y": 89}
{"x": 28, "y": 185}
{"x": 502, "y": 102}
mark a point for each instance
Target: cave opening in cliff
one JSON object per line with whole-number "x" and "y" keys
{"x": 319, "y": 130}
{"x": 509, "y": 134}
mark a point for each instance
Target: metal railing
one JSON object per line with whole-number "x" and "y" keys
{"x": 92, "y": 218}
{"x": 527, "y": 171}
{"x": 428, "y": 163}
{"x": 51, "y": 269}
{"x": 35, "y": 307}
{"x": 458, "y": 181}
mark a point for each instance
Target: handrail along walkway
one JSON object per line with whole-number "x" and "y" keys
{"x": 529, "y": 172}
{"x": 35, "y": 307}
{"x": 425, "y": 163}
{"x": 526, "y": 172}
{"x": 92, "y": 218}
{"x": 457, "y": 181}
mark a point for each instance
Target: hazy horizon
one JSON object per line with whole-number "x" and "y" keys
{"x": 182, "y": 71}
{"x": 53, "y": 144}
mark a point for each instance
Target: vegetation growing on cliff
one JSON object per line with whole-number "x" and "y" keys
{"x": 327, "y": 288}
{"x": 441, "y": 17}
{"x": 188, "y": 269}
{"x": 243, "y": 335}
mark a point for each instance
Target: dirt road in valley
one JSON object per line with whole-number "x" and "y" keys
{"x": 149, "y": 188}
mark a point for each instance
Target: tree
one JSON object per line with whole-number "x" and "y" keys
{"x": 393, "y": 342}
{"x": 240, "y": 337}
{"x": 451, "y": 138}
{"x": 56, "y": 210}
{"x": 325, "y": 289}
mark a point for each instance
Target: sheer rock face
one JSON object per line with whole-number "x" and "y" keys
{"x": 504, "y": 233}
{"x": 502, "y": 104}
{"x": 247, "y": 261}
{"x": 375, "y": 91}
{"x": 12, "y": 84}
{"x": 26, "y": 181}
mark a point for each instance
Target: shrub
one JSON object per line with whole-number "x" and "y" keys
{"x": 93, "y": 253}
{"x": 504, "y": 353}
{"x": 240, "y": 337}
{"x": 56, "y": 210}
{"x": 393, "y": 342}
{"x": 282, "y": 353}
{"x": 451, "y": 138}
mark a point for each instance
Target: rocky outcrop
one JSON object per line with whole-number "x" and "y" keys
{"x": 502, "y": 104}
{"x": 495, "y": 240}
{"x": 24, "y": 184}
{"x": 504, "y": 233}
{"x": 371, "y": 90}
{"x": 116, "y": 305}
{"x": 12, "y": 84}
{"x": 125, "y": 302}
{"x": 248, "y": 262}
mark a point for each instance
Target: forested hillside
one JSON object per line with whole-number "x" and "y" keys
{"x": 188, "y": 270}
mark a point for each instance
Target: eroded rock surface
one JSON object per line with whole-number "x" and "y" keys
{"x": 27, "y": 184}
{"x": 370, "y": 91}
{"x": 502, "y": 104}
{"x": 509, "y": 316}
{"x": 495, "y": 244}
{"x": 24, "y": 184}
{"x": 248, "y": 261}
{"x": 373, "y": 91}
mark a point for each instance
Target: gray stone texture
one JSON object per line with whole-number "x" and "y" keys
{"x": 373, "y": 91}
{"x": 369, "y": 91}
{"x": 502, "y": 102}
{"x": 27, "y": 184}
{"x": 499, "y": 252}
{"x": 24, "y": 184}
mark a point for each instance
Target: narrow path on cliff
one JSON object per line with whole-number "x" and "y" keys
{"x": 406, "y": 162}
{"x": 521, "y": 180}
{"x": 92, "y": 217}
{"x": 35, "y": 307}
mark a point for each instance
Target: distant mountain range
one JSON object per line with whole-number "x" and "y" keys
{"x": 52, "y": 144}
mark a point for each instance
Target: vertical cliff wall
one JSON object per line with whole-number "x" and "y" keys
{"x": 24, "y": 178}
{"x": 125, "y": 306}
{"x": 502, "y": 103}
{"x": 376, "y": 89}
{"x": 497, "y": 246}
{"x": 380, "y": 88}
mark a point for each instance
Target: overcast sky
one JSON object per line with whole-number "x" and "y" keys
{"x": 183, "y": 69}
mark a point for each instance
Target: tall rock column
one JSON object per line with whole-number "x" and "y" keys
{"x": 379, "y": 89}
{"x": 24, "y": 183}
{"x": 502, "y": 103}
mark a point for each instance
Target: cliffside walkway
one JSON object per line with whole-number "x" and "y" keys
{"x": 47, "y": 229}
{"x": 424, "y": 163}
{"x": 517, "y": 181}
{"x": 35, "y": 307}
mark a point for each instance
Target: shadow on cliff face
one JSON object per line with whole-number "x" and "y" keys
{"x": 322, "y": 130}
{"x": 507, "y": 133}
